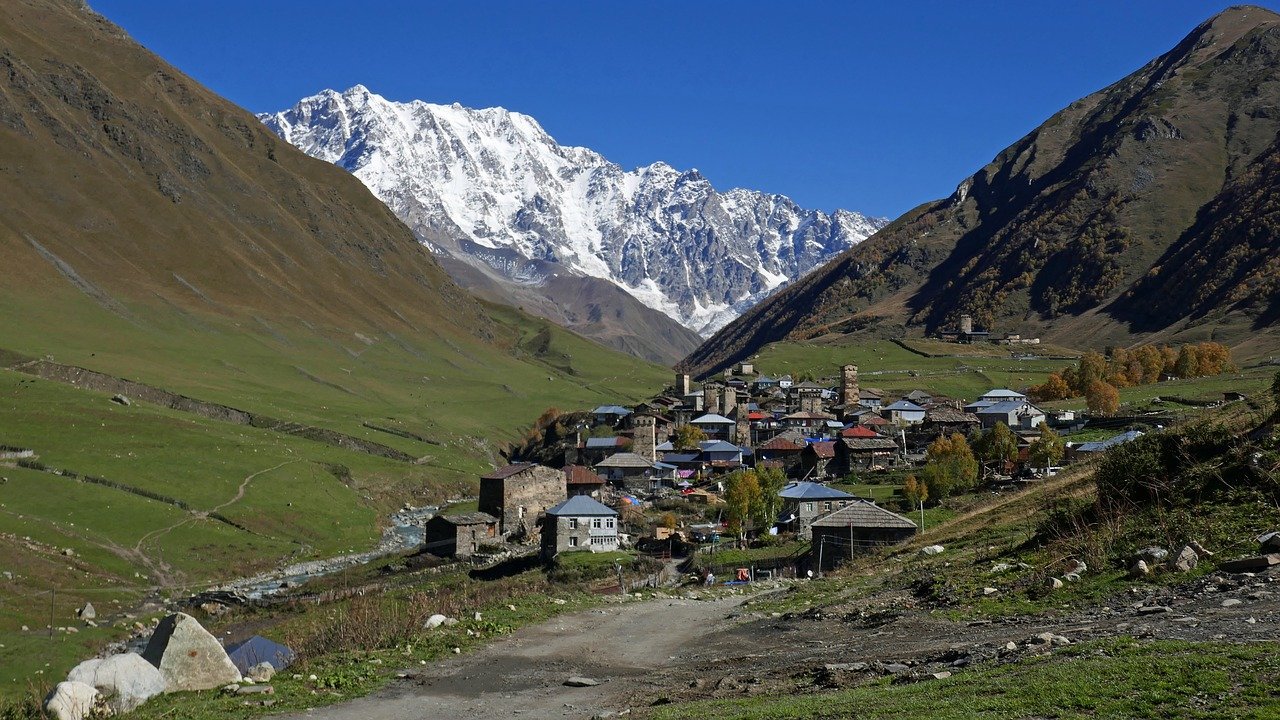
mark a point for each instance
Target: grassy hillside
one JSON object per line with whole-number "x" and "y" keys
{"x": 888, "y": 366}
{"x": 155, "y": 232}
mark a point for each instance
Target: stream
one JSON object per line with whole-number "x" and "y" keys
{"x": 405, "y": 532}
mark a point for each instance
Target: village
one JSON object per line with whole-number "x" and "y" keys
{"x": 658, "y": 475}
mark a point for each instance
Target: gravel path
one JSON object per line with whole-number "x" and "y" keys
{"x": 522, "y": 675}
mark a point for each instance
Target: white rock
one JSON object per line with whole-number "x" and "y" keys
{"x": 262, "y": 672}
{"x": 932, "y": 549}
{"x": 126, "y": 680}
{"x": 75, "y": 701}
{"x": 434, "y": 621}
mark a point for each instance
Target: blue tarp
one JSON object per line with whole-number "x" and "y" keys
{"x": 258, "y": 649}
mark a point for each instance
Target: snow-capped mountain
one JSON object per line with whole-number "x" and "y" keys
{"x": 490, "y": 187}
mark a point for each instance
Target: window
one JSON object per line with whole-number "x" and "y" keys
{"x": 573, "y": 541}
{"x": 573, "y": 523}
{"x": 808, "y": 507}
{"x": 521, "y": 512}
{"x": 609, "y": 523}
{"x": 826, "y": 505}
{"x": 596, "y": 523}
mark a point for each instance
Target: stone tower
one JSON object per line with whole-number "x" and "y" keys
{"x": 644, "y": 438}
{"x": 711, "y": 397}
{"x": 683, "y": 386}
{"x": 849, "y": 386}
{"x": 728, "y": 401}
{"x": 966, "y": 324}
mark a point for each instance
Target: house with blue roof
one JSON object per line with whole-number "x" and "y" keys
{"x": 1018, "y": 414}
{"x": 579, "y": 523}
{"x": 903, "y": 412}
{"x": 803, "y": 502}
{"x": 610, "y": 414}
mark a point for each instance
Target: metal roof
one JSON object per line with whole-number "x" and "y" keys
{"x": 582, "y": 505}
{"x": 611, "y": 410}
{"x": 713, "y": 419}
{"x": 1101, "y": 445}
{"x": 804, "y": 490}
{"x": 904, "y": 405}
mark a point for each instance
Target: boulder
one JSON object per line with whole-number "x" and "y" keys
{"x": 1139, "y": 569}
{"x": 1269, "y": 542}
{"x": 932, "y": 549}
{"x": 75, "y": 701}
{"x": 1053, "y": 583}
{"x": 1077, "y": 567}
{"x": 1071, "y": 577}
{"x": 435, "y": 621}
{"x": 1152, "y": 555}
{"x": 262, "y": 672}
{"x": 87, "y": 612}
{"x": 581, "y": 682}
{"x": 121, "y": 400}
{"x": 189, "y": 657}
{"x": 1186, "y": 560}
{"x": 1199, "y": 549}
{"x": 125, "y": 680}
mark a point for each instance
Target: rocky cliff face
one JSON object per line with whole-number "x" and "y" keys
{"x": 1062, "y": 232}
{"x": 491, "y": 188}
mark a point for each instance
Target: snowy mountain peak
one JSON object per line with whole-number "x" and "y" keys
{"x": 490, "y": 187}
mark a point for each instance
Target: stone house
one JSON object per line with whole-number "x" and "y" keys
{"x": 1014, "y": 413}
{"x": 804, "y": 502}
{"x": 610, "y": 415}
{"x": 582, "y": 480}
{"x": 579, "y": 523}
{"x": 627, "y": 470}
{"x": 861, "y": 453}
{"x": 858, "y": 526}
{"x": 716, "y": 426}
{"x": 459, "y": 535}
{"x": 903, "y": 412}
{"x": 518, "y": 493}
{"x": 815, "y": 458}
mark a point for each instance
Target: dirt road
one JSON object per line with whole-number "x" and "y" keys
{"x": 522, "y": 675}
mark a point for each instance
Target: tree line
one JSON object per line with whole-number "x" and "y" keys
{"x": 1098, "y": 377}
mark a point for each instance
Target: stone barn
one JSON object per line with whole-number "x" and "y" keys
{"x": 858, "y": 526}
{"x": 518, "y": 493}
{"x": 459, "y": 535}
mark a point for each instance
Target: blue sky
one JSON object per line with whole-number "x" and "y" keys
{"x": 872, "y": 107}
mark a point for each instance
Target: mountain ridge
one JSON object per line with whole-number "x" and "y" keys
{"x": 494, "y": 179}
{"x": 1045, "y": 238}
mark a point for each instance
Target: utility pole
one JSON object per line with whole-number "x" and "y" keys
{"x": 52, "y": 594}
{"x": 821, "y": 540}
{"x": 921, "y": 516}
{"x": 622, "y": 590}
